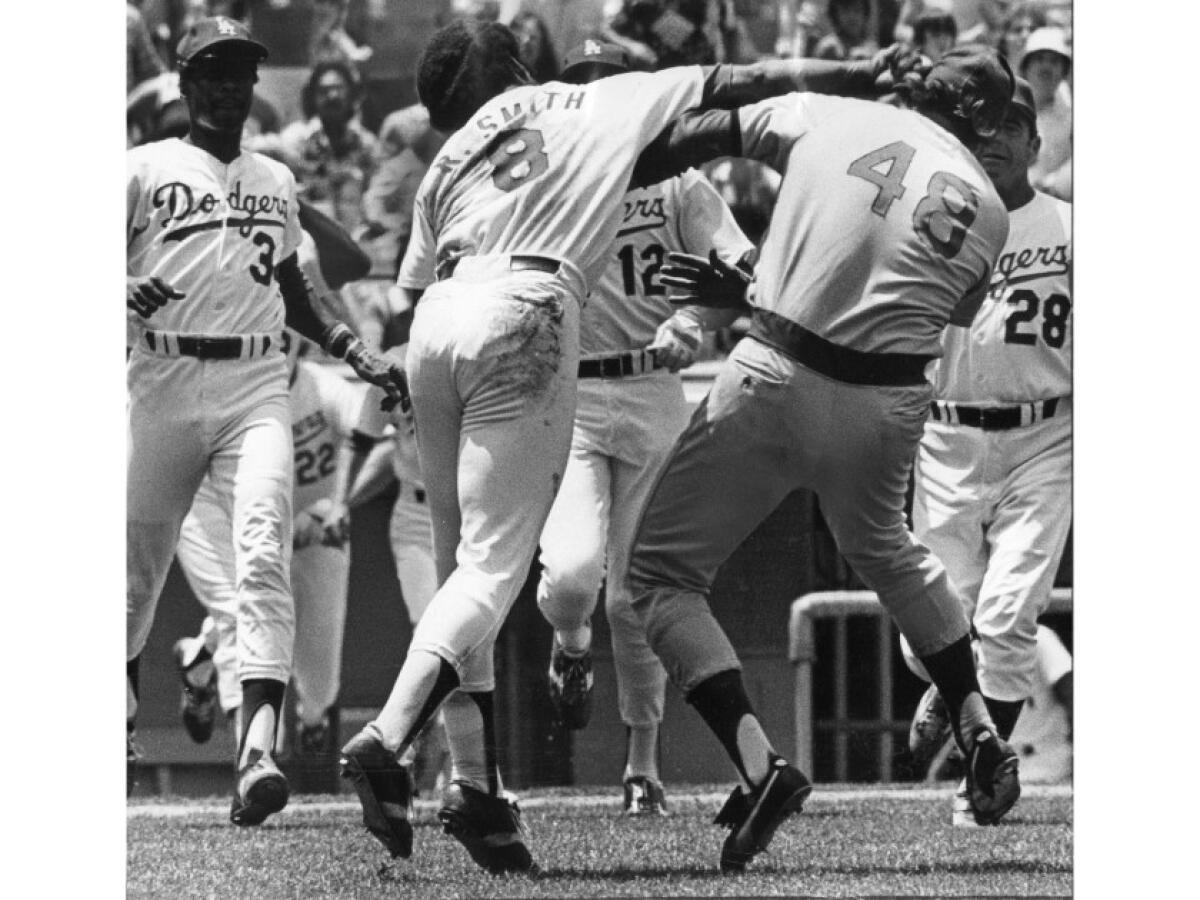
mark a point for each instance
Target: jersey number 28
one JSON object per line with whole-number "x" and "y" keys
{"x": 944, "y": 213}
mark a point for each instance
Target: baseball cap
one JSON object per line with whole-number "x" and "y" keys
{"x": 217, "y": 30}
{"x": 1047, "y": 40}
{"x": 593, "y": 59}
{"x": 979, "y": 76}
{"x": 1023, "y": 103}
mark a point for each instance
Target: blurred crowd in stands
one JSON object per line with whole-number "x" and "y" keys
{"x": 344, "y": 118}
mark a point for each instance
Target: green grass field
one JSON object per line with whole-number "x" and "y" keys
{"x": 849, "y": 841}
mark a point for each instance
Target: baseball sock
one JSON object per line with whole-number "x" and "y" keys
{"x": 641, "y": 754}
{"x": 471, "y": 736}
{"x": 722, "y": 702}
{"x": 261, "y": 700}
{"x": 425, "y": 680}
{"x": 1005, "y": 714}
{"x": 953, "y": 671}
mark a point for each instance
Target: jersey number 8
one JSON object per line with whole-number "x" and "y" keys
{"x": 517, "y": 158}
{"x": 943, "y": 215}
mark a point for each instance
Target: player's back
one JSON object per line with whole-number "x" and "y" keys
{"x": 541, "y": 168}
{"x": 884, "y": 222}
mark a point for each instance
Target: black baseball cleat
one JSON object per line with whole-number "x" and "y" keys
{"x": 753, "y": 818}
{"x": 571, "y": 686}
{"x": 644, "y": 796}
{"x": 384, "y": 789}
{"x": 198, "y": 704}
{"x": 488, "y": 826}
{"x": 259, "y": 790}
{"x": 993, "y": 784}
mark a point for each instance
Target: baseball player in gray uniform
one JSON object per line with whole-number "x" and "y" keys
{"x": 211, "y": 237}
{"x": 993, "y": 475}
{"x": 513, "y": 222}
{"x": 629, "y": 411}
{"x": 885, "y": 231}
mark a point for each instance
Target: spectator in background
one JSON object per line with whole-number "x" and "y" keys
{"x": 850, "y": 38}
{"x": 934, "y": 33}
{"x": 1045, "y": 65}
{"x": 329, "y": 38}
{"x": 977, "y": 21}
{"x": 141, "y": 61}
{"x": 409, "y": 144}
{"x": 537, "y": 48}
{"x": 1022, "y": 20}
{"x": 658, "y": 34}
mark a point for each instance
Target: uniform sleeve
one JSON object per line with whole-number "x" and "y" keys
{"x": 770, "y": 128}
{"x": 646, "y": 101}
{"x": 417, "y": 268}
{"x": 706, "y": 223}
{"x": 343, "y": 403}
{"x": 291, "y": 224}
{"x": 136, "y": 218}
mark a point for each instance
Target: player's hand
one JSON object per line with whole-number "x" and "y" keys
{"x": 308, "y": 528}
{"x": 145, "y": 294}
{"x": 374, "y": 369}
{"x": 336, "y": 530}
{"x": 894, "y": 64}
{"x": 676, "y": 341}
{"x": 696, "y": 281}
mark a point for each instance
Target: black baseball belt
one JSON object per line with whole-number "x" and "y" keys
{"x": 516, "y": 263}
{"x": 834, "y": 361}
{"x": 202, "y": 346}
{"x": 620, "y": 365}
{"x": 994, "y": 418}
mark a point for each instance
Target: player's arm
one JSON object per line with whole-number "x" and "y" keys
{"x": 335, "y": 337}
{"x": 339, "y": 256}
{"x": 711, "y": 283}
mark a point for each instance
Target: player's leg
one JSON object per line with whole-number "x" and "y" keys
{"x": 1026, "y": 539}
{"x": 652, "y": 412}
{"x": 573, "y": 544}
{"x": 319, "y": 586}
{"x": 253, "y": 467}
{"x": 869, "y": 439}
{"x": 732, "y": 466}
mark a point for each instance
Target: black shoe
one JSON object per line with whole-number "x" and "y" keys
{"x": 571, "y": 686}
{"x": 993, "y": 784}
{"x": 488, "y": 826}
{"x": 197, "y": 705}
{"x": 384, "y": 789}
{"x": 259, "y": 790}
{"x": 644, "y": 796}
{"x": 752, "y": 818}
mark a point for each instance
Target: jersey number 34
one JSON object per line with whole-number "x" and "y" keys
{"x": 944, "y": 213}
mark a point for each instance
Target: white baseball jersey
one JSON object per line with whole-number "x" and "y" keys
{"x": 628, "y": 303}
{"x": 523, "y": 176}
{"x": 213, "y": 231}
{"x": 325, "y": 408}
{"x": 1018, "y": 349}
{"x": 929, "y": 225}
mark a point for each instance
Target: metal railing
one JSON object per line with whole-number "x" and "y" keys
{"x": 802, "y": 652}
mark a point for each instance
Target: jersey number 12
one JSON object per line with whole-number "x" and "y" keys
{"x": 944, "y": 213}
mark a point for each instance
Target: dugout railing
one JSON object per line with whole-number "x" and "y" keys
{"x": 802, "y": 653}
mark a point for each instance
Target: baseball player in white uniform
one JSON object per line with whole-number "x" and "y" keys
{"x": 513, "y": 222}
{"x": 629, "y": 411}
{"x": 212, "y": 274}
{"x": 325, "y": 418}
{"x": 993, "y": 475}
{"x": 886, "y": 230}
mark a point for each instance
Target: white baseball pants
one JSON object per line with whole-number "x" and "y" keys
{"x": 769, "y": 426}
{"x": 492, "y": 364}
{"x": 229, "y": 420}
{"x": 624, "y": 431}
{"x": 995, "y": 506}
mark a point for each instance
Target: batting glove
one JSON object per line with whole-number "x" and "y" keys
{"x": 676, "y": 341}
{"x": 145, "y": 295}
{"x": 341, "y": 343}
{"x": 696, "y": 281}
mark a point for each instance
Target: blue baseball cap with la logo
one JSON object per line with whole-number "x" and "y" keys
{"x": 218, "y": 31}
{"x": 593, "y": 59}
